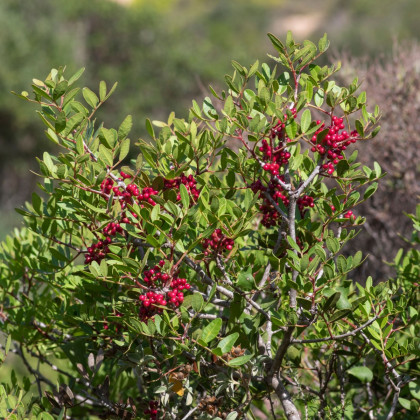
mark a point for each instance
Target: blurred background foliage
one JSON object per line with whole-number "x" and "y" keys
{"x": 164, "y": 53}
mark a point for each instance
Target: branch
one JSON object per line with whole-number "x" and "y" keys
{"x": 336, "y": 337}
{"x": 188, "y": 415}
{"x": 206, "y": 279}
{"x": 292, "y": 231}
{"x": 286, "y": 401}
{"x": 276, "y": 206}
{"x": 314, "y": 173}
{"x": 281, "y": 351}
{"x": 390, "y": 415}
{"x": 395, "y": 374}
{"x": 239, "y": 291}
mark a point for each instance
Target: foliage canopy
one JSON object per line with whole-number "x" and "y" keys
{"x": 211, "y": 265}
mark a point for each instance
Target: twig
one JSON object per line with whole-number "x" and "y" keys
{"x": 187, "y": 416}
{"x": 388, "y": 365}
{"x": 336, "y": 337}
{"x": 206, "y": 278}
{"x": 239, "y": 291}
{"x": 276, "y": 206}
{"x": 390, "y": 415}
{"x": 314, "y": 173}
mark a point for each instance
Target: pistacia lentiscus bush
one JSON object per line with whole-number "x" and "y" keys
{"x": 205, "y": 278}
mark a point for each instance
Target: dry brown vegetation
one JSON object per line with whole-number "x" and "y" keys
{"x": 393, "y": 82}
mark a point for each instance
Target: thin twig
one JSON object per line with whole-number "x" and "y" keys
{"x": 336, "y": 337}
{"x": 188, "y": 415}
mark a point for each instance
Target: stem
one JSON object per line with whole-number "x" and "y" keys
{"x": 292, "y": 231}
{"x": 336, "y": 337}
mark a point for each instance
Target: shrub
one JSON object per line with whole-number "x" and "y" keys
{"x": 206, "y": 278}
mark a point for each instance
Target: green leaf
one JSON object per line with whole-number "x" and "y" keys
{"x": 305, "y": 120}
{"x": 370, "y": 190}
{"x": 246, "y": 280}
{"x": 414, "y": 389}
{"x": 73, "y": 123}
{"x": 332, "y": 244}
{"x": 60, "y": 89}
{"x": 125, "y": 127}
{"x": 211, "y": 330}
{"x": 309, "y": 91}
{"x": 278, "y": 45}
{"x": 8, "y": 343}
{"x": 405, "y": 403}
{"x": 253, "y": 68}
{"x": 375, "y": 131}
{"x": 319, "y": 97}
{"x": 378, "y": 169}
{"x": 227, "y": 343}
{"x": 124, "y": 149}
{"x": 185, "y": 197}
{"x": 339, "y": 314}
{"x": 80, "y": 148}
{"x": 209, "y": 109}
{"x": 359, "y": 128}
{"x": 195, "y": 301}
{"x": 90, "y": 97}
{"x": 363, "y": 373}
{"x": 241, "y": 360}
{"x": 154, "y": 215}
{"x": 293, "y": 244}
{"x": 102, "y": 90}
{"x": 149, "y": 128}
{"x": 76, "y": 76}
{"x": 229, "y": 107}
{"x": 291, "y": 129}
{"x": 60, "y": 122}
{"x": 239, "y": 68}
{"x": 152, "y": 241}
{"x": 106, "y": 155}
{"x": 341, "y": 264}
{"x": 304, "y": 303}
{"x": 114, "y": 86}
{"x": 331, "y": 301}
{"x": 323, "y": 43}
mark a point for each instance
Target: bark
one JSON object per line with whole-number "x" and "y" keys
{"x": 289, "y": 407}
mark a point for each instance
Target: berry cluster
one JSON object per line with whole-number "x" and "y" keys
{"x": 106, "y": 185}
{"x": 111, "y": 229}
{"x": 132, "y": 191}
{"x": 349, "y": 215}
{"x": 97, "y": 251}
{"x": 166, "y": 291}
{"x": 153, "y": 411}
{"x": 217, "y": 243}
{"x": 276, "y": 156}
{"x": 334, "y": 143}
{"x": 305, "y": 201}
{"x": 189, "y": 182}
{"x": 129, "y": 193}
{"x": 155, "y": 275}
